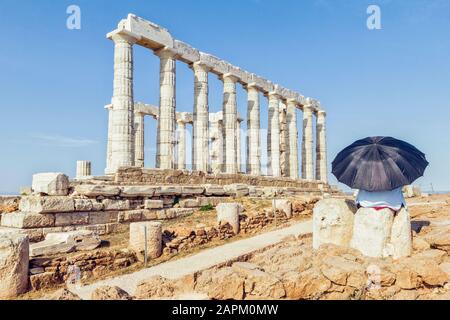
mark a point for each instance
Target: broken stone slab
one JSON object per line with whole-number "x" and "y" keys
{"x": 168, "y": 191}
{"x": 236, "y": 190}
{"x": 138, "y": 191}
{"x": 333, "y": 222}
{"x": 51, "y": 183}
{"x": 92, "y": 190}
{"x": 64, "y": 242}
{"x": 14, "y": 263}
{"x": 154, "y": 204}
{"x": 192, "y": 190}
{"x": 46, "y": 204}
{"x": 229, "y": 213}
{"x": 214, "y": 190}
{"x": 283, "y": 205}
{"x": 27, "y": 220}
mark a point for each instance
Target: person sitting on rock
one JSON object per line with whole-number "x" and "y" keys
{"x": 380, "y": 200}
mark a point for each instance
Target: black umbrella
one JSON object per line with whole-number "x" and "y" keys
{"x": 379, "y": 164}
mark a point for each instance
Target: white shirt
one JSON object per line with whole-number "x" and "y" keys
{"x": 391, "y": 199}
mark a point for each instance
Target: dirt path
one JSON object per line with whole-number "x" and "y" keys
{"x": 200, "y": 261}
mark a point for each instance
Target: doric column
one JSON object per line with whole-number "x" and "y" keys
{"x": 181, "y": 146}
{"x": 229, "y": 123}
{"x": 108, "y": 169}
{"x": 84, "y": 169}
{"x": 121, "y": 130}
{"x": 321, "y": 147}
{"x": 238, "y": 144}
{"x": 307, "y": 144}
{"x": 200, "y": 149}
{"x": 291, "y": 117}
{"x": 167, "y": 108}
{"x": 253, "y": 127}
{"x": 273, "y": 136}
{"x": 139, "y": 139}
{"x": 216, "y": 135}
{"x": 284, "y": 152}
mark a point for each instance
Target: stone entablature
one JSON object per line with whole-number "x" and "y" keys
{"x": 126, "y": 134}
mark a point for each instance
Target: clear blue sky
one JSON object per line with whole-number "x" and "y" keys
{"x": 54, "y": 82}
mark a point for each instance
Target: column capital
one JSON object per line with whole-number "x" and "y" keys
{"x": 252, "y": 86}
{"x": 321, "y": 113}
{"x": 123, "y": 36}
{"x": 229, "y": 76}
{"x": 292, "y": 101}
{"x": 273, "y": 94}
{"x": 166, "y": 52}
{"x": 308, "y": 108}
{"x": 200, "y": 66}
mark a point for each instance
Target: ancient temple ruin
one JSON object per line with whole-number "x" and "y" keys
{"x": 126, "y": 117}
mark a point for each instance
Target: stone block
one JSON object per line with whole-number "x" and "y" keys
{"x": 83, "y": 205}
{"x": 189, "y": 203}
{"x": 205, "y": 201}
{"x": 72, "y": 218}
{"x": 38, "y": 204}
{"x": 400, "y": 243}
{"x": 333, "y": 222}
{"x": 138, "y": 191}
{"x": 178, "y": 213}
{"x": 192, "y": 190}
{"x": 92, "y": 190}
{"x": 154, "y": 204}
{"x": 146, "y": 234}
{"x": 168, "y": 191}
{"x": 64, "y": 242}
{"x": 130, "y": 216}
{"x": 51, "y": 183}
{"x": 229, "y": 213}
{"x": 283, "y": 205}
{"x": 150, "y": 214}
{"x": 236, "y": 190}
{"x": 103, "y": 217}
{"x": 372, "y": 231}
{"x": 14, "y": 261}
{"x": 27, "y": 220}
{"x": 109, "y": 205}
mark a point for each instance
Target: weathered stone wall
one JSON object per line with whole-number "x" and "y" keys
{"x": 133, "y": 175}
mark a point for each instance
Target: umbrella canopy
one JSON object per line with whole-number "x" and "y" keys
{"x": 379, "y": 164}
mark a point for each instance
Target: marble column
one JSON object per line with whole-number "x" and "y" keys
{"x": 253, "y": 127}
{"x": 229, "y": 123}
{"x": 238, "y": 144}
{"x": 139, "y": 139}
{"x": 166, "y": 112}
{"x": 181, "y": 145}
{"x": 321, "y": 147}
{"x": 216, "y": 136}
{"x": 273, "y": 136}
{"x": 307, "y": 144}
{"x": 291, "y": 117}
{"x": 284, "y": 152}
{"x": 84, "y": 169}
{"x": 121, "y": 129}
{"x": 108, "y": 169}
{"x": 200, "y": 148}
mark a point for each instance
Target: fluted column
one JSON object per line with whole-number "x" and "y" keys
{"x": 253, "y": 127}
{"x": 84, "y": 169}
{"x": 284, "y": 152}
{"x": 121, "y": 129}
{"x": 229, "y": 123}
{"x": 181, "y": 146}
{"x": 166, "y": 112}
{"x": 307, "y": 144}
{"x": 108, "y": 169}
{"x": 139, "y": 139}
{"x": 238, "y": 144}
{"x": 321, "y": 147}
{"x": 200, "y": 156}
{"x": 216, "y": 145}
{"x": 291, "y": 117}
{"x": 273, "y": 136}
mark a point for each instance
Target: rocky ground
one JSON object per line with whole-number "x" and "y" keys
{"x": 293, "y": 270}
